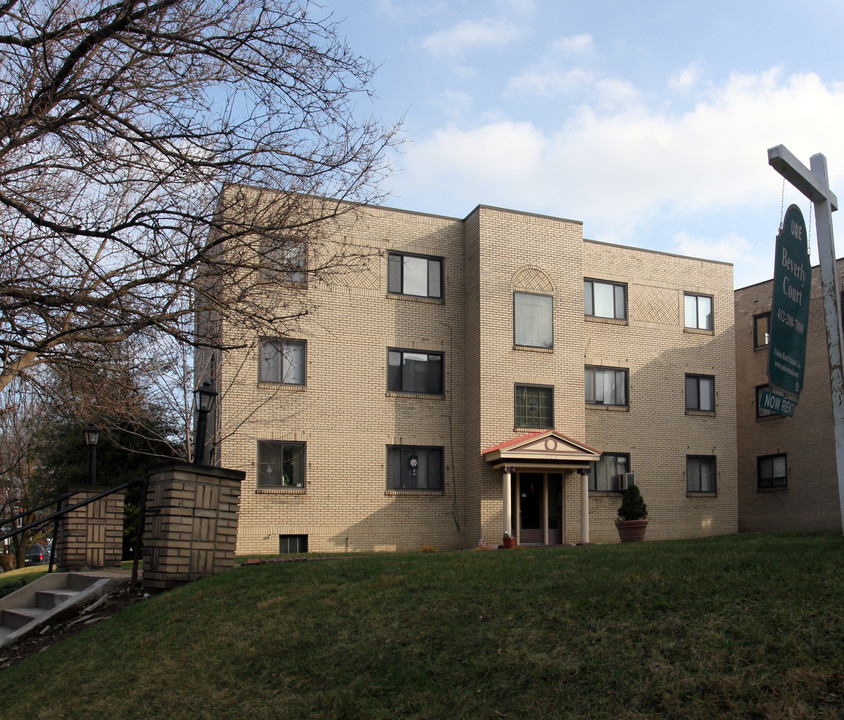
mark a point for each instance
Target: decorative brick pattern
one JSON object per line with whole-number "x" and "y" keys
{"x": 91, "y": 537}
{"x": 191, "y": 524}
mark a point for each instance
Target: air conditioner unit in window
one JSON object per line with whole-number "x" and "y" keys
{"x": 625, "y": 480}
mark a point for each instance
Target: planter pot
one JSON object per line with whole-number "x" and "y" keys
{"x": 509, "y": 543}
{"x": 631, "y": 530}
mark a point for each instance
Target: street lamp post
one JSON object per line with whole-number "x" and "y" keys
{"x": 92, "y": 437}
{"x": 205, "y": 397}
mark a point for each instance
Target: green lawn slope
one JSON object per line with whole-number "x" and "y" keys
{"x": 748, "y": 626}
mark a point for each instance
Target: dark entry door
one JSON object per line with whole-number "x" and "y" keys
{"x": 530, "y": 508}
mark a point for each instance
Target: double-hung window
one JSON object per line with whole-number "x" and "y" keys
{"x": 605, "y": 299}
{"x": 700, "y": 392}
{"x": 415, "y": 275}
{"x": 533, "y": 320}
{"x": 701, "y": 474}
{"x": 762, "y": 330}
{"x": 698, "y": 311}
{"x": 771, "y": 472}
{"x": 606, "y": 386}
{"x": 534, "y": 407}
{"x": 413, "y": 371}
{"x": 414, "y": 468}
{"x": 281, "y": 464}
{"x": 608, "y": 471}
{"x": 282, "y": 361}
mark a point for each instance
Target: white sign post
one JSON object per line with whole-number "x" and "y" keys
{"x": 814, "y": 184}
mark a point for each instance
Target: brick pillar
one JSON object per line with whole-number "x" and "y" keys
{"x": 91, "y": 537}
{"x": 191, "y": 523}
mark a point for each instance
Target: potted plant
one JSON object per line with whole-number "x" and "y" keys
{"x": 632, "y": 516}
{"x": 509, "y": 541}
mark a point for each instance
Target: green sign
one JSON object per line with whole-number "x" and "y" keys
{"x": 778, "y": 404}
{"x": 790, "y": 308}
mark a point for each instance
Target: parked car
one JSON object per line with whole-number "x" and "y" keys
{"x": 37, "y": 554}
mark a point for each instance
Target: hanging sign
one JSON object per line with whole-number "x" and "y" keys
{"x": 790, "y": 306}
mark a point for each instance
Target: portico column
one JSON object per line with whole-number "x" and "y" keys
{"x": 584, "y": 507}
{"x": 507, "y": 512}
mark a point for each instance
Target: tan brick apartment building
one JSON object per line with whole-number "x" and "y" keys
{"x": 787, "y": 478}
{"x": 472, "y": 371}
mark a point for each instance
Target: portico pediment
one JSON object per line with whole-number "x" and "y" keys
{"x": 548, "y": 448}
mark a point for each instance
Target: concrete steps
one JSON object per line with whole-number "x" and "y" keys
{"x": 50, "y": 597}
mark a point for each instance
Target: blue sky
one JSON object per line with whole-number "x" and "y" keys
{"x": 647, "y": 121}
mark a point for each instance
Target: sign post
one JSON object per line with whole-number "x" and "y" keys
{"x": 814, "y": 184}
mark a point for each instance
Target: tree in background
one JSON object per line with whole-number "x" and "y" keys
{"x": 133, "y": 136}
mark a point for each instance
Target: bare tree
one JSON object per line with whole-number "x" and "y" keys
{"x": 134, "y": 138}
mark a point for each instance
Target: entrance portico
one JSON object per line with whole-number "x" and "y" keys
{"x": 535, "y": 468}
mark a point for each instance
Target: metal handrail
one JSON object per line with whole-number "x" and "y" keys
{"x": 141, "y": 479}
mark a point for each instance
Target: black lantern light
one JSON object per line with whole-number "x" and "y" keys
{"x": 92, "y": 437}
{"x": 205, "y": 397}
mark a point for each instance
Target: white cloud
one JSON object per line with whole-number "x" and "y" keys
{"x": 732, "y": 248}
{"x": 550, "y": 83}
{"x": 491, "y": 151}
{"x": 622, "y": 166}
{"x": 574, "y": 45}
{"x": 687, "y": 78}
{"x": 486, "y": 32}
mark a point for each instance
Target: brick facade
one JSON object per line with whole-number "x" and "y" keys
{"x": 808, "y": 498}
{"x": 346, "y": 418}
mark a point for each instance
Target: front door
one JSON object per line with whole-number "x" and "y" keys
{"x": 530, "y": 508}
{"x": 540, "y": 506}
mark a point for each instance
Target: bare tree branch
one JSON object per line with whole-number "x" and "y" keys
{"x": 137, "y": 143}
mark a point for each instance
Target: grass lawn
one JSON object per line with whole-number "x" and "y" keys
{"x": 748, "y": 626}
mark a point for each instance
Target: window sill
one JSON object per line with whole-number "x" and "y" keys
{"x": 280, "y": 491}
{"x": 701, "y": 494}
{"x": 605, "y": 321}
{"x": 266, "y": 385}
{"x": 418, "y": 492}
{"x": 761, "y": 348}
{"x": 700, "y": 413}
{"x": 608, "y": 408}
{"x": 416, "y": 298}
{"x": 532, "y": 348}
{"x": 521, "y": 429}
{"x": 772, "y": 489}
{"x": 698, "y": 331}
{"x": 428, "y": 396}
{"x": 606, "y": 493}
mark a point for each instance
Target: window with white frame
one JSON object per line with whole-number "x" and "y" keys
{"x": 282, "y": 361}
{"x": 281, "y": 464}
{"x": 412, "y": 371}
{"x": 607, "y": 473}
{"x": 700, "y": 392}
{"x": 534, "y": 407}
{"x": 605, "y": 299}
{"x": 533, "y": 320}
{"x": 606, "y": 386}
{"x": 698, "y": 311}
{"x": 771, "y": 472}
{"x": 414, "y": 468}
{"x": 417, "y": 275}
{"x": 701, "y": 474}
